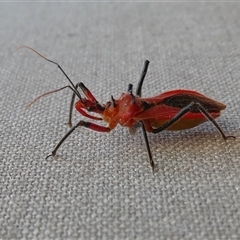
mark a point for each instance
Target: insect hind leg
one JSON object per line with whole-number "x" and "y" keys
{"x": 187, "y": 109}
{"x": 212, "y": 120}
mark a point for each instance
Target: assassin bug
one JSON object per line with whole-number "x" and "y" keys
{"x": 173, "y": 110}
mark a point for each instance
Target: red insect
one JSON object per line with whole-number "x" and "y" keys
{"x": 173, "y": 110}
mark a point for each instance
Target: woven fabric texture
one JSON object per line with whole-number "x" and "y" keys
{"x": 100, "y": 186}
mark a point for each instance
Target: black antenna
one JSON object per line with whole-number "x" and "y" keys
{"x": 73, "y": 86}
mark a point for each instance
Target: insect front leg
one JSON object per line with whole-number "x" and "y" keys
{"x": 187, "y": 109}
{"x": 71, "y": 107}
{"x": 89, "y": 96}
{"x": 81, "y": 123}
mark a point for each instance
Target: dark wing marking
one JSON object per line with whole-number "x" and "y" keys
{"x": 182, "y": 100}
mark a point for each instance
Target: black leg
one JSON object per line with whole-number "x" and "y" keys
{"x": 71, "y": 106}
{"x": 187, "y": 109}
{"x": 81, "y": 123}
{"x": 209, "y": 117}
{"x": 147, "y": 146}
{"x": 62, "y": 140}
{"x": 170, "y": 122}
{"x": 139, "y": 93}
{"x": 143, "y": 74}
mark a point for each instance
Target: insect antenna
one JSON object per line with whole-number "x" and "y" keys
{"x": 47, "y": 93}
{"x": 73, "y": 87}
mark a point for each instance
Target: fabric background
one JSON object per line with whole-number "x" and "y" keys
{"x": 100, "y": 186}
